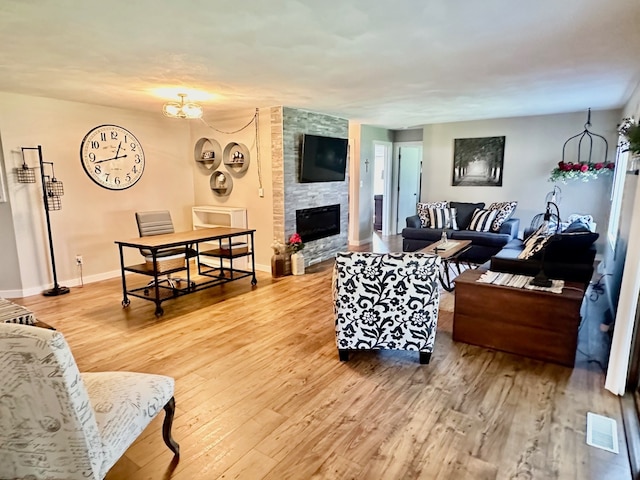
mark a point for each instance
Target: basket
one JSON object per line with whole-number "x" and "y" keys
{"x": 165, "y": 264}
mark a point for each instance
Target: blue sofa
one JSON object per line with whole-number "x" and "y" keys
{"x": 484, "y": 245}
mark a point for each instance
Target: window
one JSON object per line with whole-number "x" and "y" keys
{"x": 622, "y": 155}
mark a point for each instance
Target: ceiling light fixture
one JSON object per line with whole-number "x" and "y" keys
{"x": 182, "y": 109}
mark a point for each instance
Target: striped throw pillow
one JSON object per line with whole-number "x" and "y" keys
{"x": 423, "y": 211}
{"x": 443, "y": 218}
{"x": 482, "y": 219}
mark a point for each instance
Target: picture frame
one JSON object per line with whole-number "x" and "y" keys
{"x": 478, "y": 162}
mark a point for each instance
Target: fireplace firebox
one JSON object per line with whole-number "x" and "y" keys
{"x": 318, "y": 222}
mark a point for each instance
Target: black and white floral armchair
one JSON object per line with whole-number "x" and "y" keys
{"x": 386, "y": 301}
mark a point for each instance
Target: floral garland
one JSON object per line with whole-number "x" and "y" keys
{"x": 584, "y": 171}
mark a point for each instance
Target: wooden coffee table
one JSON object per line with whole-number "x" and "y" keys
{"x": 449, "y": 252}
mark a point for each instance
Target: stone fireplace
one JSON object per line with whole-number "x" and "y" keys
{"x": 290, "y": 196}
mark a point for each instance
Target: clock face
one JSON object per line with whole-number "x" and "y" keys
{"x": 112, "y": 157}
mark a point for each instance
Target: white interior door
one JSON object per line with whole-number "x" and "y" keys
{"x": 409, "y": 173}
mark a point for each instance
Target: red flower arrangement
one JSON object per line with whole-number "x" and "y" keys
{"x": 295, "y": 243}
{"x": 583, "y": 171}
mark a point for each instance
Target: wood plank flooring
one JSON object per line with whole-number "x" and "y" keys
{"x": 260, "y": 393}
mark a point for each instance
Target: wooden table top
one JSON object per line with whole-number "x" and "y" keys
{"x": 182, "y": 238}
{"x": 450, "y": 250}
{"x": 573, "y": 290}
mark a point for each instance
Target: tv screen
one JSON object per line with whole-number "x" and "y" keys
{"x": 324, "y": 159}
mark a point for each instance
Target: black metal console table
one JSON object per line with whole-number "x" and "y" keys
{"x": 193, "y": 239}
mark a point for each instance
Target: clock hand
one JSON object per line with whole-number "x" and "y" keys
{"x": 109, "y": 159}
{"x": 118, "y": 151}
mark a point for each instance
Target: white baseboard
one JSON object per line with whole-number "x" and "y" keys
{"x": 359, "y": 243}
{"x": 75, "y": 282}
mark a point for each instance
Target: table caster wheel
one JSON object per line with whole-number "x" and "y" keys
{"x": 146, "y": 292}
{"x": 254, "y": 282}
{"x": 126, "y": 303}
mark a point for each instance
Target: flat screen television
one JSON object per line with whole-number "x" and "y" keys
{"x": 324, "y": 159}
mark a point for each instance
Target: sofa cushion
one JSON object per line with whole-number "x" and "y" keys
{"x": 464, "y": 212}
{"x": 505, "y": 210}
{"x": 428, "y": 234}
{"x": 497, "y": 240}
{"x": 423, "y": 211}
{"x": 569, "y": 246}
{"x": 481, "y": 220}
{"x": 442, "y": 218}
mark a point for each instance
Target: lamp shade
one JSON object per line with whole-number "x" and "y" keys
{"x": 182, "y": 109}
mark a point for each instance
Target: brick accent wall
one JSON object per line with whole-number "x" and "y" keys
{"x": 287, "y": 126}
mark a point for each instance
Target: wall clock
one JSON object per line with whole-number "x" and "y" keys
{"x": 112, "y": 157}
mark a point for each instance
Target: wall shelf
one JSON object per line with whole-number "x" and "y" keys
{"x": 209, "y": 216}
{"x": 236, "y": 158}
{"x": 221, "y": 183}
{"x": 208, "y": 152}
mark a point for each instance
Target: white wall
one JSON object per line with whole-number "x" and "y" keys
{"x": 533, "y": 147}
{"x": 245, "y": 187}
{"x": 91, "y": 217}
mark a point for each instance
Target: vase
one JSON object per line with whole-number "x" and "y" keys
{"x": 277, "y": 265}
{"x": 287, "y": 264}
{"x": 297, "y": 263}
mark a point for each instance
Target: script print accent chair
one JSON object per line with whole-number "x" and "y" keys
{"x": 386, "y": 301}
{"x": 58, "y": 423}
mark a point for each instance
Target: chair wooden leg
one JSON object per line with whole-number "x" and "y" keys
{"x": 425, "y": 357}
{"x": 170, "y": 409}
{"x": 343, "y": 354}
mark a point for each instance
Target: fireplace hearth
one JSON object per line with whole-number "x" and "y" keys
{"x": 319, "y": 222}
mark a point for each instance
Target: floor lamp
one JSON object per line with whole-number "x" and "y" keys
{"x": 52, "y": 190}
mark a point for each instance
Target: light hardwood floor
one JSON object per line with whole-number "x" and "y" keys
{"x": 260, "y": 393}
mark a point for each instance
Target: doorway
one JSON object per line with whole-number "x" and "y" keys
{"x": 409, "y": 178}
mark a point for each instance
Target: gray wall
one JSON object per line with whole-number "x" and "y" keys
{"x": 407, "y": 135}
{"x": 10, "y": 279}
{"x": 288, "y": 125}
{"x": 368, "y": 135}
{"x": 533, "y": 147}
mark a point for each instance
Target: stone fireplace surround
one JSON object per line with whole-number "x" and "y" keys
{"x": 287, "y": 126}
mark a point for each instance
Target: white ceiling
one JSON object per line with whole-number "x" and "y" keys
{"x": 393, "y": 63}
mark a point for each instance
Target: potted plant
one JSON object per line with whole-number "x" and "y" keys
{"x": 631, "y": 131}
{"x": 295, "y": 246}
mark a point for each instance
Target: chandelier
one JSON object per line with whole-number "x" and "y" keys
{"x": 182, "y": 109}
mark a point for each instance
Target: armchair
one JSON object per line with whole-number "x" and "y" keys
{"x": 56, "y": 422}
{"x": 386, "y": 301}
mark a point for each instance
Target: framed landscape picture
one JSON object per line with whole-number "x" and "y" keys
{"x": 478, "y": 161}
